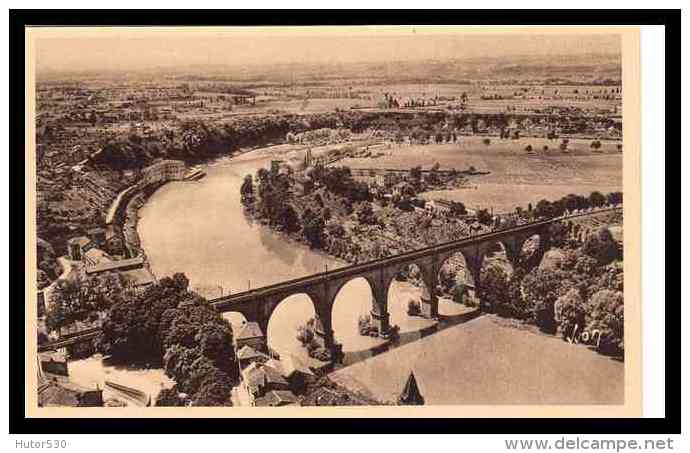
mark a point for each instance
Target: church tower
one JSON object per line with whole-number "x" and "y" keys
{"x": 411, "y": 396}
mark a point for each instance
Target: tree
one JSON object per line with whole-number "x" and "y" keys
{"x": 494, "y": 290}
{"x": 570, "y": 312}
{"x": 541, "y": 288}
{"x": 597, "y": 199}
{"x": 56, "y": 316}
{"x": 544, "y": 208}
{"x": 433, "y": 174}
{"x": 247, "y": 190}
{"x": 312, "y": 227}
{"x": 596, "y": 144}
{"x": 601, "y": 246}
{"x": 416, "y": 173}
{"x": 558, "y": 234}
{"x": 287, "y": 218}
{"x": 615, "y": 198}
{"x": 457, "y": 208}
{"x": 215, "y": 341}
{"x": 365, "y": 214}
{"x": 83, "y": 298}
{"x": 169, "y": 398}
{"x": 605, "y": 313}
{"x": 484, "y": 217}
{"x": 564, "y": 144}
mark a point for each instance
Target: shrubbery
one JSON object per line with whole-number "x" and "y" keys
{"x": 580, "y": 295}
{"x": 366, "y": 327}
{"x": 414, "y": 308}
{"x": 605, "y": 313}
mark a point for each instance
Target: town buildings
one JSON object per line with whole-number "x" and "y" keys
{"x": 163, "y": 171}
{"x": 250, "y": 334}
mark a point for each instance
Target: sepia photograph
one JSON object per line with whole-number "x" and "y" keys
{"x": 353, "y": 219}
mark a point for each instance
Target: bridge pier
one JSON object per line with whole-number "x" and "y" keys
{"x": 474, "y": 259}
{"x": 429, "y": 301}
{"x": 379, "y": 283}
{"x": 323, "y": 328}
{"x": 513, "y": 248}
{"x": 429, "y": 304}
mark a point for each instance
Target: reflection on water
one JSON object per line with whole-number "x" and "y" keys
{"x": 291, "y": 313}
{"x": 199, "y": 228}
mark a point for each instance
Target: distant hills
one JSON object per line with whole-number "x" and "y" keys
{"x": 550, "y": 69}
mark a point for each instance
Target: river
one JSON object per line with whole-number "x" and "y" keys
{"x": 199, "y": 228}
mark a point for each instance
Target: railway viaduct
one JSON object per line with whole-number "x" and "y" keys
{"x": 257, "y": 305}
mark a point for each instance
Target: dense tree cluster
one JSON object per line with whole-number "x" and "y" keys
{"x": 82, "y": 299}
{"x": 583, "y": 293}
{"x": 339, "y": 181}
{"x": 169, "y": 325}
{"x": 273, "y": 201}
{"x": 572, "y": 202}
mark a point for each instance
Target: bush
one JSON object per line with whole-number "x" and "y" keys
{"x": 322, "y": 354}
{"x": 305, "y": 333}
{"x": 569, "y": 312}
{"x": 605, "y": 313}
{"x": 366, "y": 327}
{"x": 494, "y": 290}
{"x": 601, "y": 246}
{"x": 459, "y": 295}
{"x": 541, "y": 289}
{"x": 486, "y": 141}
{"x": 597, "y": 199}
{"x": 413, "y": 308}
{"x": 484, "y": 217}
{"x": 170, "y": 398}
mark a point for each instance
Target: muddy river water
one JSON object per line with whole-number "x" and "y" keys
{"x": 199, "y": 228}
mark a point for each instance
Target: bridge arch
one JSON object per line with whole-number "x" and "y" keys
{"x": 355, "y": 299}
{"x": 283, "y": 316}
{"x": 421, "y": 273}
{"x": 455, "y": 279}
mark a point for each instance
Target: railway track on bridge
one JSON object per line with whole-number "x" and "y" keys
{"x": 407, "y": 256}
{"x": 222, "y": 303}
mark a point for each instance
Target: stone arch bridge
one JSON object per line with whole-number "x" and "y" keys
{"x": 258, "y": 304}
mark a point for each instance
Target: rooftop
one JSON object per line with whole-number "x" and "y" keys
{"x": 81, "y": 240}
{"x": 276, "y": 398}
{"x": 249, "y": 330}
{"x": 115, "y": 265}
{"x": 248, "y": 353}
{"x": 257, "y": 375}
{"x": 94, "y": 257}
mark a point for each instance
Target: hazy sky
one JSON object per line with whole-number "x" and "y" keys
{"x": 128, "y": 49}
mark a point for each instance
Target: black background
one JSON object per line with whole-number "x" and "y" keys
{"x": 19, "y": 424}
